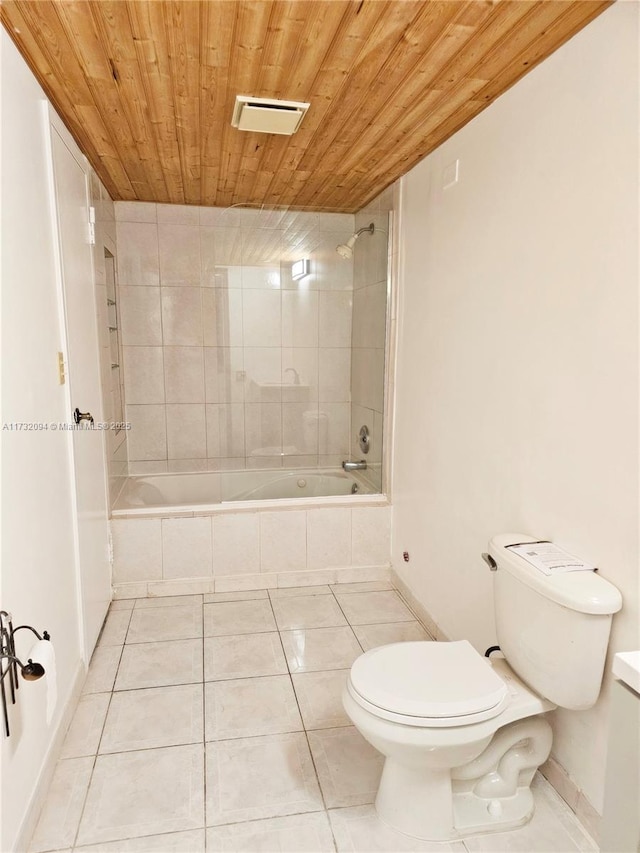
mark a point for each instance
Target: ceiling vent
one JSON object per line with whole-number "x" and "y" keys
{"x": 268, "y": 115}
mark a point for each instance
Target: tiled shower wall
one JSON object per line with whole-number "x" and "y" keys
{"x": 369, "y": 331}
{"x": 228, "y": 363}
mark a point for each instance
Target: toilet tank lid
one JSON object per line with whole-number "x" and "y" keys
{"x": 583, "y": 591}
{"x": 429, "y": 680}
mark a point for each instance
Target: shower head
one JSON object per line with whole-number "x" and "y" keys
{"x": 345, "y": 250}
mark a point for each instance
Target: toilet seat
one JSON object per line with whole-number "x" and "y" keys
{"x": 428, "y": 684}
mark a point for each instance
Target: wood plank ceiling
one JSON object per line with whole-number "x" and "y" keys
{"x": 147, "y": 87}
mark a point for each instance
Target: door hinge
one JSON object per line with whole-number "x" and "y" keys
{"x": 92, "y": 226}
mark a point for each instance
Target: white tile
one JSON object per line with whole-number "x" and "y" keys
{"x": 228, "y": 245}
{"x": 349, "y": 768}
{"x": 224, "y": 380}
{"x": 228, "y": 532}
{"x": 190, "y": 841}
{"x": 181, "y": 316}
{"x": 222, "y": 317}
{"x": 335, "y": 319}
{"x": 153, "y": 625}
{"x": 364, "y": 574}
{"x": 329, "y": 538}
{"x": 263, "y": 430}
{"x": 552, "y": 829}
{"x": 135, "y": 211}
{"x": 119, "y": 806}
{"x": 299, "y": 375}
{"x": 186, "y": 431}
{"x": 84, "y": 732}
{"x": 238, "y": 617}
{"x": 314, "y": 649}
{"x": 261, "y": 277}
{"x": 190, "y": 466}
{"x": 168, "y": 600}
{"x": 300, "y": 318}
{"x": 361, "y": 586}
{"x": 102, "y": 669}
{"x": 304, "y": 833}
{"x": 187, "y": 550}
{"x": 183, "y": 375}
{"x": 253, "y": 778}
{"x": 182, "y": 586}
{"x": 300, "y": 590}
{"x": 147, "y": 438}
{"x": 263, "y": 374}
{"x": 333, "y": 429}
{"x": 114, "y": 629}
{"x": 249, "y": 707}
{"x": 129, "y": 590}
{"x": 299, "y": 428}
{"x": 370, "y": 636}
{"x": 259, "y": 246}
{"x": 137, "y": 549}
{"x": 160, "y": 664}
{"x": 283, "y": 541}
{"x": 239, "y": 583}
{"x": 143, "y": 374}
{"x": 334, "y": 375}
{"x": 140, "y": 318}
{"x": 179, "y": 214}
{"x": 243, "y": 656}
{"x": 225, "y": 430}
{"x": 154, "y": 717}
{"x": 370, "y": 536}
{"x": 359, "y": 829}
{"x": 311, "y": 578}
{"x": 367, "y": 378}
{"x": 307, "y": 611}
{"x": 138, "y": 262}
{"x": 371, "y": 608}
{"x": 320, "y": 698}
{"x": 261, "y": 318}
{"x": 60, "y": 816}
{"x": 220, "y": 597}
{"x": 179, "y": 247}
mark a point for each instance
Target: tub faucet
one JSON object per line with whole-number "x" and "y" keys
{"x": 355, "y": 466}
{"x": 296, "y": 375}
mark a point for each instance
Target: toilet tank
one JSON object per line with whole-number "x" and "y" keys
{"x": 553, "y": 630}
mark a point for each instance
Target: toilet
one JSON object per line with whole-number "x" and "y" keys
{"x": 463, "y": 734}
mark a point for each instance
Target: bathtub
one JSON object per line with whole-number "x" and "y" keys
{"x": 204, "y": 491}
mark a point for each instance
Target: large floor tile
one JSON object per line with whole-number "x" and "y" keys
{"x": 308, "y": 611}
{"x": 160, "y": 664}
{"x": 153, "y": 717}
{"x": 552, "y": 829}
{"x": 359, "y": 830}
{"x": 144, "y": 793}
{"x": 370, "y": 636}
{"x": 102, "y": 669}
{"x": 314, "y": 649}
{"x": 191, "y": 841}
{"x": 320, "y": 698}
{"x": 348, "y": 767}
{"x": 168, "y": 601}
{"x": 243, "y": 656}
{"x": 84, "y": 732}
{"x": 115, "y": 628}
{"x": 301, "y": 833}
{"x": 122, "y": 604}
{"x": 60, "y": 816}
{"x": 157, "y": 624}
{"x": 369, "y": 608}
{"x": 261, "y": 777}
{"x": 238, "y": 617}
{"x": 250, "y": 706}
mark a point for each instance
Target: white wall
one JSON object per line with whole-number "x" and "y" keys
{"x": 38, "y": 576}
{"x": 517, "y": 387}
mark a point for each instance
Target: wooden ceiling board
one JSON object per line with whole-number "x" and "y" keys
{"x": 147, "y": 87}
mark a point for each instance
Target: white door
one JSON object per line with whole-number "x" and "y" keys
{"x": 83, "y": 375}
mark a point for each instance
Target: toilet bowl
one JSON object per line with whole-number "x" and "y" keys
{"x": 447, "y": 773}
{"x": 463, "y": 735}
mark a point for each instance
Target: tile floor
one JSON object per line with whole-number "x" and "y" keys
{"x": 215, "y": 723}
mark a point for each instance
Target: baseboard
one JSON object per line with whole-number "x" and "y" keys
{"x": 43, "y": 781}
{"x": 242, "y": 583}
{"x": 552, "y": 770}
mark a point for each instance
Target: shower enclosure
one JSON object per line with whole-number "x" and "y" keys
{"x": 253, "y": 344}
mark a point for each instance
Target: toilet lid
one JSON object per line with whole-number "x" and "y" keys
{"x": 428, "y": 679}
